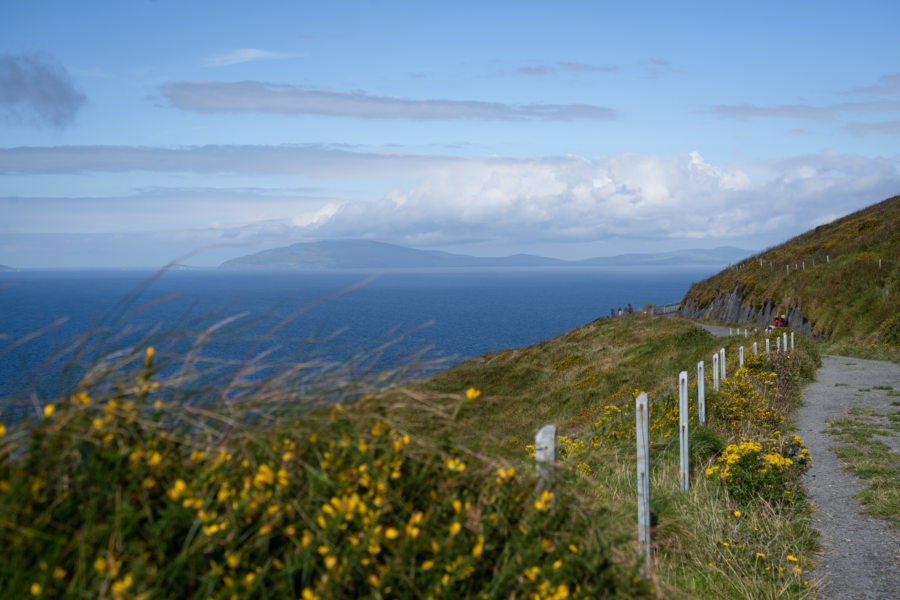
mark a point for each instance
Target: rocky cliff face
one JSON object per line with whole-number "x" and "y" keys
{"x": 731, "y": 308}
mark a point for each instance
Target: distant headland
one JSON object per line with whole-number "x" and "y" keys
{"x": 364, "y": 254}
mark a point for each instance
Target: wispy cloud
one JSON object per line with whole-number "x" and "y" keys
{"x": 255, "y": 96}
{"x": 888, "y": 85}
{"x": 885, "y": 98}
{"x": 654, "y": 68}
{"x": 572, "y": 67}
{"x": 35, "y": 90}
{"x": 245, "y": 55}
{"x": 882, "y": 127}
{"x": 309, "y": 160}
{"x": 828, "y": 112}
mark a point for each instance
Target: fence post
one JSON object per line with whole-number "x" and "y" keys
{"x": 701, "y": 394}
{"x": 641, "y": 411}
{"x": 740, "y": 357}
{"x": 746, "y": 333}
{"x": 755, "y": 349}
{"x": 792, "y": 341}
{"x": 722, "y": 362}
{"x": 767, "y": 345}
{"x": 545, "y": 456}
{"x": 785, "y": 342}
{"x": 683, "y": 417}
{"x": 777, "y": 343}
{"x": 716, "y": 371}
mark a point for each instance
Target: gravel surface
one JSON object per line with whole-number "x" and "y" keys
{"x": 861, "y": 556}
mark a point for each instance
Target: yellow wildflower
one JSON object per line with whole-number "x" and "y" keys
{"x": 35, "y": 589}
{"x": 148, "y": 360}
{"x": 48, "y": 410}
{"x": 544, "y": 502}
{"x": 455, "y": 527}
{"x": 472, "y": 394}
{"x": 792, "y": 558}
{"x": 427, "y": 565}
{"x": 479, "y": 547}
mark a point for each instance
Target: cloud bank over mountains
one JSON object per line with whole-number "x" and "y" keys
{"x": 449, "y": 201}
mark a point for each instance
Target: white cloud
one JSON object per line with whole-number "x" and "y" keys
{"x": 245, "y": 55}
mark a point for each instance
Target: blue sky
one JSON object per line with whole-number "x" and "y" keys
{"x": 133, "y": 133}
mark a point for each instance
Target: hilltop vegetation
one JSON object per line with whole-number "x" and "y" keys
{"x": 841, "y": 281}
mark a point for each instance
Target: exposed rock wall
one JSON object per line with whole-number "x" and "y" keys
{"x": 731, "y": 308}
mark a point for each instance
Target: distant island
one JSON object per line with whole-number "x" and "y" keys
{"x": 363, "y": 254}
{"x": 4, "y": 269}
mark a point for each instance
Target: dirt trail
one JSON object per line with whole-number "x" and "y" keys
{"x": 861, "y": 556}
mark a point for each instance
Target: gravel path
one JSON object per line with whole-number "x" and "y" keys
{"x": 861, "y": 556}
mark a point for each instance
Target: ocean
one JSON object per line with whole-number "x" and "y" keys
{"x": 446, "y": 315}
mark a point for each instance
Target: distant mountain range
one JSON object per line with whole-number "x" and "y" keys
{"x": 361, "y": 254}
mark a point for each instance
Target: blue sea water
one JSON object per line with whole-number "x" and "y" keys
{"x": 453, "y": 314}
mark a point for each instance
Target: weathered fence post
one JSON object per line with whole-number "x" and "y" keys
{"x": 792, "y": 341}
{"x": 683, "y": 417}
{"x": 755, "y": 349}
{"x": 722, "y": 362}
{"x": 788, "y": 269}
{"x": 746, "y": 333}
{"x": 777, "y": 343}
{"x": 767, "y": 345}
{"x": 641, "y": 411}
{"x": 740, "y": 357}
{"x": 545, "y": 456}
{"x": 730, "y": 331}
{"x": 785, "y": 342}
{"x": 716, "y": 371}
{"x": 827, "y": 259}
{"x": 701, "y": 394}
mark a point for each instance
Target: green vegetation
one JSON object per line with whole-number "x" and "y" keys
{"x": 870, "y": 459}
{"x": 140, "y": 483}
{"x": 844, "y": 277}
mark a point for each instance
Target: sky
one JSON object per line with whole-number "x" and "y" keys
{"x": 137, "y": 132}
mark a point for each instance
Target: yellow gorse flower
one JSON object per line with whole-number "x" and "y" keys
{"x": 544, "y": 503}
{"x": 472, "y": 394}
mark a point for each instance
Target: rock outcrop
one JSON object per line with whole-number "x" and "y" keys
{"x": 732, "y": 308}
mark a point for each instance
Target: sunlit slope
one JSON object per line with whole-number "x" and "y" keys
{"x": 838, "y": 281}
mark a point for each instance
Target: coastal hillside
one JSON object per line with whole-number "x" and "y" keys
{"x": 838, "y": 282}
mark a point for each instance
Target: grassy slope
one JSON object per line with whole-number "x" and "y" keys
{"x": 846, "y": 296}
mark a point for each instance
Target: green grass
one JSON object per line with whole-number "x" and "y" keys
{"x": 870, "y": 459}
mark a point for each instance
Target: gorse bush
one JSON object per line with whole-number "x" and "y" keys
{"x": 767, "y": 469}
{"x": 125, "y": 493}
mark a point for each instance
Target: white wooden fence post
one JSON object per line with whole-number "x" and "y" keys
{"x": 545, "y": 456}
{"x": 683, "y": 417}
{"x": 767, "y": 345}
{"x": 746, "y": 333}
{"x": 740, "y": 357}
{"x": 701, "y": 394}
{"x": 777, "y": 343}
{"x": 792, "y": 341}
{"x": 755, "y": 349}
{"x": 785, "y": 342}
{"x": 716, "y": 371}
{"x": 722, "y": 362}
{"x": 641, "y": 411}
